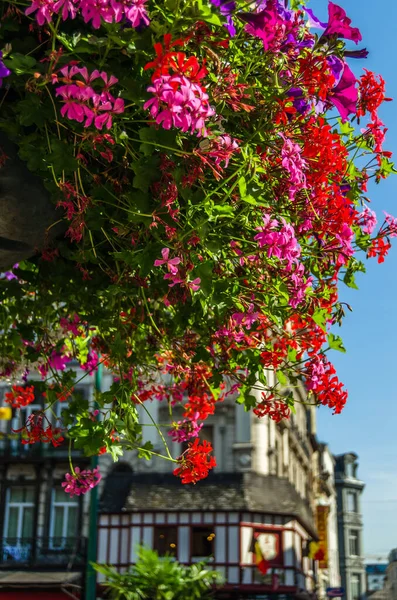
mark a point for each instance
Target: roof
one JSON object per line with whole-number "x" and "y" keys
{"x": 249, "y": 492}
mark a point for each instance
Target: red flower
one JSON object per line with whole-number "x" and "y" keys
{"x": 195, "y": 462}
{"x": 371, "y": 94}
{"x": 39, "y": 429}
{"x": 379, "y": 248}
{"x": 20, "y": 396}
{"x": 277, "y": 411}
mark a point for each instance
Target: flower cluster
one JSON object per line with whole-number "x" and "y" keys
{"x": 132, "y": 12}
{"x": 212, "y": 206}
{"x": 195, "y": 462}
{"x": 20, "y": 396}
{"x": 82, "y": 103}
{"x": 38, "y": 429}
{"x": 80, "y": 482}
{"x": 179, "y": 100}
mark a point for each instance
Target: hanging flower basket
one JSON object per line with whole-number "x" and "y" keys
{"x": 209, "y": 161}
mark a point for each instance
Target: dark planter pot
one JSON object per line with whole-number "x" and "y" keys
{"x": 26, "y": 211}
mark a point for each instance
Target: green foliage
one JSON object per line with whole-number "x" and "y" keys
{"x": 160, "y": 578}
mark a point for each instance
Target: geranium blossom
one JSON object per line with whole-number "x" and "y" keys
{"x": 81, "y": 482}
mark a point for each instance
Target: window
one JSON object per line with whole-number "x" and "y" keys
{"x": 202, "y": 542}
{"x": 64, "y": 516}
{"x": 355, "y": 586}
{"x": 354, "y": 545}
{"x": 352, "y": 502}
{"x": 19, "y": 514}
{"x": 165, "y": 540}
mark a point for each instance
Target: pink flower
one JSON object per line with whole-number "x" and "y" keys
{"x": 69, "y": 8}
{"x": 367, "y": 220}
{"x": 293, "y": 162}
{"x": 170, "y": 262}
{"x": 186, "y": 429}
{"x": 392, "y": 223}
{"x": 175, "y": 279}
{"x": 178, "y": 102}
{"x": 81, "y": 482}
{"x": 91, "y": 363}
{"x": 45, "y": 10}
{"x": 194, "y": 285}
{"x": 71, "y": 324}
{"x": 280, "y": 244}
{"x": 58, "y": 361}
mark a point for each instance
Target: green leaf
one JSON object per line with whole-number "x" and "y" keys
{"x": 320, "y": 318}
{"x": 20, "y": 64}
{"x": 281, "y": 378}
{"x": 335, "y": 342}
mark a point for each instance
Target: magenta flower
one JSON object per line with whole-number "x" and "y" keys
{"x": 91, "y": 363}
{"x": 58, "y": 361}
{"x": 184, "y": 430}
{"x": 339, "y": 24}
{"x": 345, "y": 95}
{"x": 68, "y": 7}
{"x": 169, "y": 262}
{"x": 45, "y": 10}
{"x": 293, "y": 163}
{"x": 81, "y": 482}
{"x": 281, "y": 244}
{"x": 178, "y": 102}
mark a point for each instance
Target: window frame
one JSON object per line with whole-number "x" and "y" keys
{"x": 354, "y": 534}
{"x": 199, "y": 557}
{"x": 21, "y": 506}
{"x": 69, "y": 502}
{"x": 357, "y": 581}
{"x": 354, "y": 495}
{"x": 168, "y": 527}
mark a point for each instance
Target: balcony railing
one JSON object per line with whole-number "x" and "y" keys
{"x": 42, "y": 552}
{"x": 11, "y": 447}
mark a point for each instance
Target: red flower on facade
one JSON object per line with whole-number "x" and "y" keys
{"x": 20, "y": 396}
{"x": 195, "y": 462}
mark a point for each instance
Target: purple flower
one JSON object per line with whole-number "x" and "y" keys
{"x": 226, "y": 8}
{"x": 9, "y": 275}
{"x": 336, "y": 66}
{"x": 344, "y": 96}
{"x": 299, "y": 102}
{"x": 314, "y": 21}
{"x": 4, "y": 72}
{"x": 362, "y": 53}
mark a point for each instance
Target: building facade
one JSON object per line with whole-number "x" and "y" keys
{"x": 42, "y": 530}
{"x": 262, "y": 490}
{"x": 326, "y": 509}
{"x": 350, "y": 526}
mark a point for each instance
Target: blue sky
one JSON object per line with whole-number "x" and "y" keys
{"x": 368, "y": 425}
